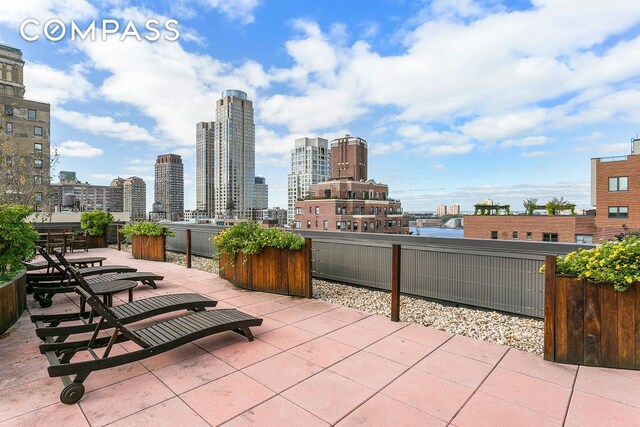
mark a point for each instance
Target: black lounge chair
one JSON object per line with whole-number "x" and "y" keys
{"x": 154, "y": 339}
{"x": 48, "y": 329}
{"x": 78, "y": 262}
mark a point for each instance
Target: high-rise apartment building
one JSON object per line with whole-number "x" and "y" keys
{"x": 453, "y": 209}
{"x": 441, "y": 210}
{"x": 261, "y": 193}
{"x": 234, "y": 156}
{"x": 349, "y": 158}
{"x": 205, "y": 190}
{"x": 134, "y": 198}
{"x": 310, "y": 164}
{"x": 24, "y": 136}
{"x": 169, "y": 185}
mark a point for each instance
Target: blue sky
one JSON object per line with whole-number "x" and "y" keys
{"x": 459, "y": 101}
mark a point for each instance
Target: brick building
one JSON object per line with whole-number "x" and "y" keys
{"x": 541, "y": 228}
{"x": 615, "y": 192}
{"x": 345, "y": 203}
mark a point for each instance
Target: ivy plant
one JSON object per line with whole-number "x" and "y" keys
{"x": 95, "y": 222}
{"x": 18, "y": 240}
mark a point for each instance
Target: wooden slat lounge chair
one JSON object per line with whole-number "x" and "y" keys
{"x": 44, "y": 288}
{"x": 79, "y": 262}
{"x": 48, "y": 329}
{"x": 154, "y": 339}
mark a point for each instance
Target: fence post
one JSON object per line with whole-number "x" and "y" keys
{"x": 164, "y": 244}
{"x": 549, "y": 307}
{"x": 395, "y": 283}
{"x": 118, "y": 236}
{"x": 188, "y": 248}
{"x": 307, "y": 268}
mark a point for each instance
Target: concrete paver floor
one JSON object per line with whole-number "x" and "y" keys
{"x": 312, "y": 363}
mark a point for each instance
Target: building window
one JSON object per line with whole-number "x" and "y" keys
{"x": 325, "y": 224}
{"x": 310, "y": 209}
{"x": 31, "y": 114}
{"x": 297, "y": 224}
{"x": 8, "y": 110}
{"x": 529, "y": 235}
{"x": 494, "y": 235}
{"x": 37, "y": 130}
{"x": 298, "y": 211}
{"x": 364, "y": 226}
{"x": 618, "y": 183}
{"x": 549, "y": 237}
{"x": 37, "y": 179}
{"x": 584, "y": 238}
{"x": 38, "y": 197}
{"x": 515, "y": 234}
{"x": 317, "y": 210}
{"x": 9, "y": 127}
{"x": 37, "y": 147}
{"x": 618, "y": 212}
{"x": 372, "y": 226}
{"x": 348, "y": 225}
{"x": 9, "y": 161}
{"x": 355, "y": 226}
{"x": 338, "y": 225}
{"x": 37, "y": 163}
{"x": 308, "y": 223}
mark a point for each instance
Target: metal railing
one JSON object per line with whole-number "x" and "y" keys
{"x": 494, "y": 274}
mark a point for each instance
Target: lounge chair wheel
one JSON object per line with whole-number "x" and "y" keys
{"x": 72, "y": 393}
{"x": 45, "y": 302}
{"x": 37, "y": 296}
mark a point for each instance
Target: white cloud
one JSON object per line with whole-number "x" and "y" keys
{"x": 42, "y": 10}
{"x": 525, "y": 142}
{"x": 535, "y": 154}
{"x": 103, "y": 125}
{"x": 380, "y": 149}
{"x": 241, "y": 10}
{"x": 53, "y": 86}
{"x": 78, "y": 149}
{"x": 491, "y": 128}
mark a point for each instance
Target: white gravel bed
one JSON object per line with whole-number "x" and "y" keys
{"x": 513, "y": 331}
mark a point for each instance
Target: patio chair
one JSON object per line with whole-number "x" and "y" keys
{"x": 48, "y": 329}
{"x": 151, "y": 340}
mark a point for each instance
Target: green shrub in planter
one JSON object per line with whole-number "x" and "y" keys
{"x": 18, "y": 240}
{"x": 95, "y": 222}
{"x": 249, "y": 238}
{"x": 145, "y": 228}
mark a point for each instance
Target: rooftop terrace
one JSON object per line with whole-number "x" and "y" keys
{"x": 312, "y": 363}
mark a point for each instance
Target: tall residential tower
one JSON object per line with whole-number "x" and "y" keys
{"x": 310, "y": 164}
{"x": 169, "y": 185}
{"x": 204, "y": 167}
{"x": 234, "y": 156}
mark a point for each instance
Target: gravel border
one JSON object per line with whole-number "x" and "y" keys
{"x": 517, "y": 332}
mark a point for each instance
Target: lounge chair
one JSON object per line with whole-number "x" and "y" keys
{"x": 154, "y": 339}
{"x": 48, "y": 329}
{"x": 79, "y": 262}
{"x": 44, "y": 289}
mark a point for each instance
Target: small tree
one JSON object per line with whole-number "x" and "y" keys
{"x": 95, "y": 222}
{"x": 18, "y": 239}
{"x": 530, "y": 204}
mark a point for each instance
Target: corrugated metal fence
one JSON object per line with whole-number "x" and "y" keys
{"x": 494, "y": 274}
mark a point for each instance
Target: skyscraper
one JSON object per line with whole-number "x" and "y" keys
{"x": 310, "y": 164}
{"x": 234, "y": 156}
{"x": 134, "y": 198}
{"x": 24, "y": 139}
{"x": 169, "y": 185}
{"x": 349, "y": 158}
{"x": 261, "y": 193}
{"x": 204, "y": 167}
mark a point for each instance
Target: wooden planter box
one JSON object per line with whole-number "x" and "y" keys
{"x": 273, "y": 270}
{"x": 590, "y": 324}
{"x": 97, "y": 241}
{"x": 13, "y": 300}
{"x": 151, "y": 248}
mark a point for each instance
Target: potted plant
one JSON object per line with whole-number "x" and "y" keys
{"x": 18, "y": 242}
{"x": 592, "y": 305}
{"x": 148, "y": 240}
{"x": 264, "y": 259}
{"x": 96, "y": 224}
